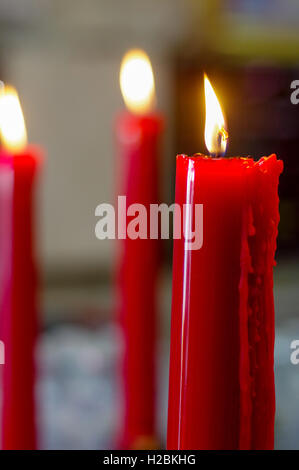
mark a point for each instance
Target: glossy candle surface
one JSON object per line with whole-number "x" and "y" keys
{"x": 221, "y": 392}
{"x": 20, "y": 325}
{"x": 138, "y": 139}
{"x": 6, "y": 206}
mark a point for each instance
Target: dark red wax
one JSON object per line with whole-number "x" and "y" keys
{"x": 138, "y": 168}
{"x": 222, "y": 393}
{"x": 18, "y": 429}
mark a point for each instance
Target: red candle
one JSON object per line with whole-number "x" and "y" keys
{"x": 221, "y": 392}
{"x": 18, "y": 167}
{"x": 138, "y": 135}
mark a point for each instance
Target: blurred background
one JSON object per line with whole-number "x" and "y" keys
{"x": 64, "y": 57}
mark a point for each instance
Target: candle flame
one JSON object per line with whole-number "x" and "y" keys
{"x": 12, "y": 124}
{"x": 137, "y": 82}
{"x": 216, "y": 135}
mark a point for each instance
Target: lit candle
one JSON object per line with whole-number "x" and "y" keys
{"x": 138, "y": 135}
{"x": 221, "y": 392}
{"x": 18, "y": 166}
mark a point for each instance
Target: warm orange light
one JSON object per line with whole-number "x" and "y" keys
{"x": 216, "y": 135}
{"x": 137, "y": 82}
{"x": 12, "y": 124}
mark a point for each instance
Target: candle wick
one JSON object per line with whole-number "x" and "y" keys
{"x": 222, "y": 135}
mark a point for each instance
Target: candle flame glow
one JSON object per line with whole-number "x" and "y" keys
{"x": 216, "y": 135}
{"x": 137, "y": 82}
{"x": 12, "y": 124}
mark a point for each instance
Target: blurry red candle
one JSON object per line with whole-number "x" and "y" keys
{"x": 222, "y": 393}
{"x": 18, "y": 327}
{"x": 138, "y": 137}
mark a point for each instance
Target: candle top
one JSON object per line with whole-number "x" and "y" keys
{"x": 264, "y": 164}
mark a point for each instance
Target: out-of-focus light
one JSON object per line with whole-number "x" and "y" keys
{"x": 137, "y": 82}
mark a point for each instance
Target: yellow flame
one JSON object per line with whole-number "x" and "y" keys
{"x": 12, "y": 124}
{"x": 137, "y": 82}
{"x": 216, "y": 135}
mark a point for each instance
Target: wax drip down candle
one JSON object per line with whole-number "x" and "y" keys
{"x": 138, "y": 132}
{"x": 221, "y": 387}
{"x": 18, "y": 327}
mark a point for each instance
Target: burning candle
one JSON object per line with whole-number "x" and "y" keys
{"x": 221, "y": 390}
{"x": 138, "y": 135}
{"x": 18, "y": 167}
